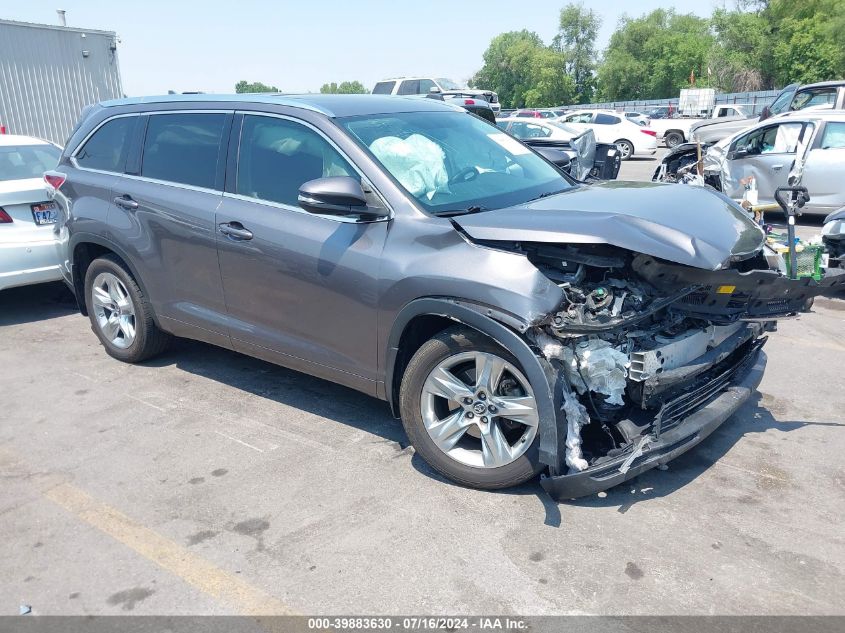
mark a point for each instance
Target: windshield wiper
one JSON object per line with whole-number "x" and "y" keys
{"x": 467, "y": 211}
{"x": 548, "y": 193}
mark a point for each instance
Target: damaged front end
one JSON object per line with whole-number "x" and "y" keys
{"x": 651, "y": 356}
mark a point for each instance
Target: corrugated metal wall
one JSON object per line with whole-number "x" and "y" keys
{"x": 46, "y": 79}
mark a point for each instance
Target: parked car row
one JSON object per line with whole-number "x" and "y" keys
{"x": 805, "y": 147}
{"x": 408, "y": 86}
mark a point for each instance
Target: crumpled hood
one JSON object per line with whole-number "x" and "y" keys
{"x": 679, "y": 223}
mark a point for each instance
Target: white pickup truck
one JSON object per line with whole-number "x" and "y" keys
{"x": 676, "y": 131}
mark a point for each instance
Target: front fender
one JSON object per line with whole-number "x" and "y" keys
{"x": 540, "y": 373}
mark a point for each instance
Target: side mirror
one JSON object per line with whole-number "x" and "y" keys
{"x": 764, "y": 114}
{"x": 742, "y": 152}
{"x": 335, "y": 195}
{"x": 434, "y": 89}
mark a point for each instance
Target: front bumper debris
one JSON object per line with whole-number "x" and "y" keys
{"x": 664, "y": 445}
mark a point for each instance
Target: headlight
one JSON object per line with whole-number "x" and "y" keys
{"x": 835, "y": 228}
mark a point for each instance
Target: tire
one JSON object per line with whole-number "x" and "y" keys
{"x": 673, "y": 139}
{"x": 120, "y": 308}
{"x": 414, "y": 399}
{"x": 626, "y": 148}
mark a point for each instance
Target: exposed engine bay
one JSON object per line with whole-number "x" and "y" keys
{"x": 642, "y": 343}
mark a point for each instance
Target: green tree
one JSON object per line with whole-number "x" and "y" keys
{"x": 344, "y": 88}
{"x": 741, "y": 59}
{"x": 524, "y": 72}
{"x": 654, "y": 56}
{"x": 808, "y": 39}
{"x": 576, "y": 39}
{"x": 245, "y": 86}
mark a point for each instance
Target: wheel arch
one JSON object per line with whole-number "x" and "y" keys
{"x": 85, "y": 248}
{"x": 423, "y": 318}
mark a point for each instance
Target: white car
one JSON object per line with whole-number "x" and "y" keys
{"x": 28, "y": 253}
{"x": 611, "y": 127}
{"x": 441, "y": 85}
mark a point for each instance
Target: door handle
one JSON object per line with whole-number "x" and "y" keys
{"x": 235, "y": 231}
{"x": 126, "y": 202}
{"x": 777, "y": 167}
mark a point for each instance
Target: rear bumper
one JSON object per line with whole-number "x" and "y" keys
{"x": 24, "y": 263}
{"x": 670, "y": 445}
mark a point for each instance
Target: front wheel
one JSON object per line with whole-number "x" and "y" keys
{"x": 626, "y": 148}
{"x": 470, "y": 412}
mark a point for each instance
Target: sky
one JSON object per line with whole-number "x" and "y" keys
{"x": 297, "y": 45}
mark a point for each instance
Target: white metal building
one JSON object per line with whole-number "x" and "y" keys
{"x": 48, "y": 74}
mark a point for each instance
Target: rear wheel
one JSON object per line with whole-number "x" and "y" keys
{"x": 470, "y": 412}
{"x": 673, "y": 139}
{"x": 626, "y": 148}
{"x": 121, "y": 315}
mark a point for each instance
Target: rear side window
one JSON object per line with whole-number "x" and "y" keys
{"x": 815, "y": 97}
{"x": 425, "y": 86}
{"x": 183, "y": 148}
{"x": 18, "y": 162}
{"x": 409, "y": 87}
{"x": 834, "y": 136}
{"x": 384, "y": 88}
{"x": 277, "y": 156}
{"x": 106, "y": 150}
{"x": 606, "y": 119}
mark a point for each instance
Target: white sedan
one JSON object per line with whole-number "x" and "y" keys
{"x": 611, "y": 127}
{"x": 28, "y": 253}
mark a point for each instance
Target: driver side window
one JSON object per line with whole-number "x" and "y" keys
{"x": 277, "y": 156}
{"x": 775, "y": 139}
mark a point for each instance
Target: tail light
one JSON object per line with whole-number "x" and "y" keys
{"x": 5, "y": 218}
{"x": 54, "y": 179}
{"x": 2, "y": 129}
{"x": 649, "y": 132}
{"x": 469, "y": 101}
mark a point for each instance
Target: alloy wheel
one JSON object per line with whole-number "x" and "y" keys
{"x": 113, "y": 309}
{"x": 479, "y": 410}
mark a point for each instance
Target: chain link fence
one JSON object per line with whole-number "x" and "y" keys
{"x": 755, "y": 101}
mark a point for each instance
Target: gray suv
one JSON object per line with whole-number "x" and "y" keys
{"x": 516, "y": 320}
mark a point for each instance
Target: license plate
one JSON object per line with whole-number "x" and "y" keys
{"x": 45, "y": 213}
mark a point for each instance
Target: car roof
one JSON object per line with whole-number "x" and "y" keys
{"x": 810, "y": 114}
{"x": 330, "y": 105}
{"x": 823, "y": 84}
{"x": 18, "y": 139}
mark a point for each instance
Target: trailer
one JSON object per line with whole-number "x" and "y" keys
{"x": 48, "y": 74}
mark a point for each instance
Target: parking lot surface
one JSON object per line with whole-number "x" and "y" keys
{"x": 209, "y": 482}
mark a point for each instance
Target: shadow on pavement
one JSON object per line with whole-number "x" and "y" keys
{"x": 29, "y": 304}
{"x": 284, "y": 386}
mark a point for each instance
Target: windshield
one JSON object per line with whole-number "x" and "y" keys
{"x": 450, "y": 161}
{"x": 18, "y": 162}
{"x": 448, "y": 84}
